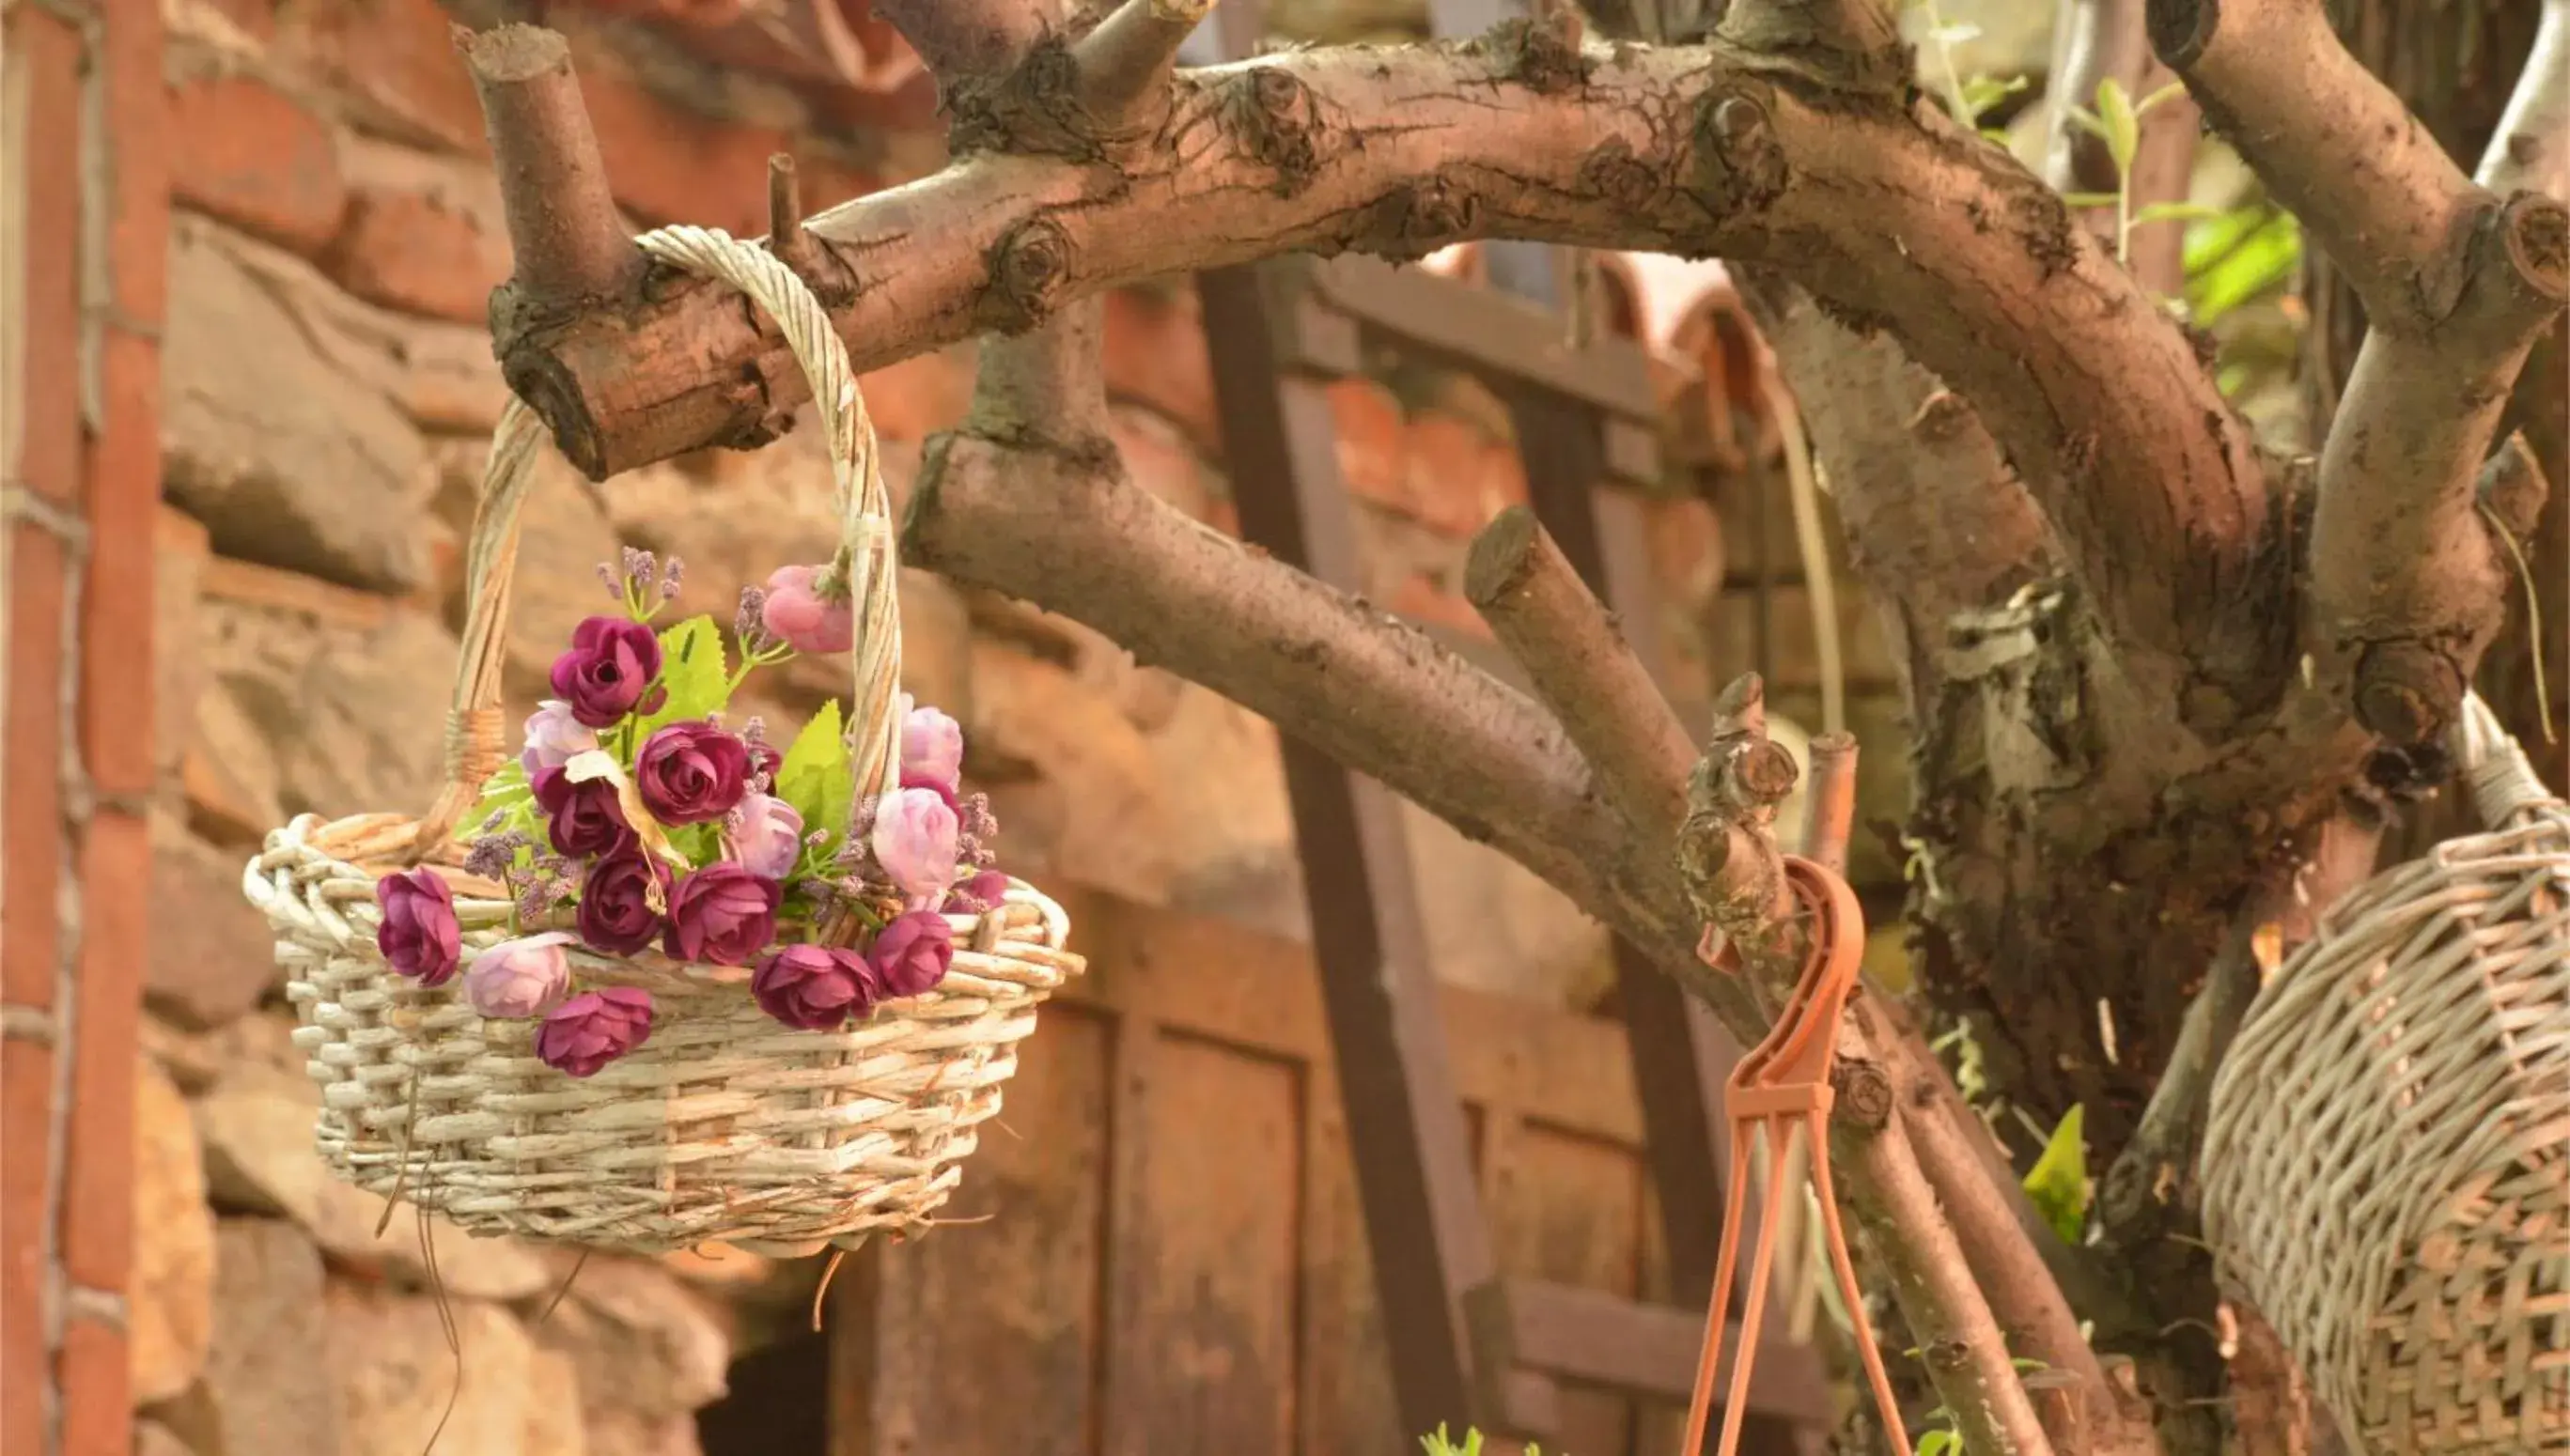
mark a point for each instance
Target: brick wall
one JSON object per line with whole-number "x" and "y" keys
{"x": 85, "y": 175}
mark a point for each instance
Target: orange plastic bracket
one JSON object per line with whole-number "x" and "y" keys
{"x": 1783, "y": 1085}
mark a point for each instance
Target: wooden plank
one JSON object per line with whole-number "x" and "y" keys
{"x": 1568, "y": 1210}
{"x": 1588, "y": 1336}
{"x": 1405, "y": 1122}
{"x": 1017, "y": 1292}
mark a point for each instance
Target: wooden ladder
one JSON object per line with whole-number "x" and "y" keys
{"x": 1466, "y": 1345}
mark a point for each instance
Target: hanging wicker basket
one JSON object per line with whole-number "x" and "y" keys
{"x": 2386, "y": 1168}
{"x": 723, "y": 1124}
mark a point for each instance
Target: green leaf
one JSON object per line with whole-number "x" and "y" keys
{"x": 2122, "y": 128}
{"x": 1980, "y": 92}
{"x": 1939, "y": 1442}
{"x": 2086, "y": 121}
{"x": 2175, "y": 213}
{"x": 694, "y": 672}
{"x": 2058, "y": 1182}
{"x": 2170, "y": 92}
{"x": 505, "y": 793}
{"x": 1956, "y": 33}
{"x": 2089, "y": 199}
{"x": 815, "y": 777}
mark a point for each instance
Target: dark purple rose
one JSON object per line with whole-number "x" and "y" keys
{"x": 611, "y": 661}
{"x": 594, "y": 1028}
{"x": 691, "y": 773}
{"x": 580, "y": 818}
{"x": 617, "y": 915}
{"x": 419, "y": 937}
{"x": 722, "y": 914}
{"x": 814, "y": 987}
{"x": 765, "y": 759}
{"x": 911, "y": 954}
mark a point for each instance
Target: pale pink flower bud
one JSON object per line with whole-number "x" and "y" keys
{"x": 552, "y": 736}
{"x": 914, "y": 839}
{"x": 767, "y": 839}
{"x": 519, "y": 978}
{"x": 808, "y": 622}
{"x": 932, "y": 749}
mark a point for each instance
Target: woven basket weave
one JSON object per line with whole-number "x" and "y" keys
{"x": 724, "y": 1125}
{"x": 2386, "y": 1167}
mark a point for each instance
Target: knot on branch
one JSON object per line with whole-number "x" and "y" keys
{"x": 1740, "y": 166}
{"x": 1863, "y": 1093}
{"x": 1726, "y": 854}
{"x": 2407, "y": 691}
{"x": 1034, "y": 108}
{"x": 1542, "y": 52}
{"x": 2181, "y": 29}
{"x": 1411, "y": 221}
{"x": 2536, "y": 232}
{"x": 1273, "y": 115}
{"x": 1029, "y": 272}
{"x": 1615, "y": 173}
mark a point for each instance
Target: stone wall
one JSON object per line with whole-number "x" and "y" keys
{"x": 327, "y": 387}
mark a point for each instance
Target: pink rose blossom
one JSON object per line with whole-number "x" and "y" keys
{"x": 796, "y": 610}
{"x": 519, "y": 978}
{"x": 419, "y": 938}
{"x": 912, "y": 953}
{"x": 915, "y": 840}
{"x": 932, "y": 749}
{"x": 594, "y": 1028}
{"x": 766, "y": 835}
{"x": 978, "y": 896}
{"x": 552, "y": 736}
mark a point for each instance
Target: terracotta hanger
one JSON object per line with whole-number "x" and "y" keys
{"x": 1780, "y": 1085}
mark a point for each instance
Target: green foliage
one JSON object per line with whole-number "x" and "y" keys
{"x": 507, "y": 794}
{"x": 816, "y": 779}
{"x": 694, "y": 673}
{"x": 2058, "y": 1183}
{"x": 1939, "y": 1442}
{"x": 1438, "y": 1444}
{"x": 2236, "y": 257}
{"x": 2117, "y": 122}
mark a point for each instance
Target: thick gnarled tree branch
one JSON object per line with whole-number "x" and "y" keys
{"x": 2458, "y": 281}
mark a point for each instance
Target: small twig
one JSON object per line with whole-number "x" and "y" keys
{"x": 562, "y": 216}
{"x": 786, "y": 237}
{"x": 1829, "y": 800}
{"x": 1126, "y": 63}
{"x": 1582, "y": 669}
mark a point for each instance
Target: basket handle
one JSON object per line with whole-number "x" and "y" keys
{"x": 864, "y": 562}
{"x": 2502, "y": 779}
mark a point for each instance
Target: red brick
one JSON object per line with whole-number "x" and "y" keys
{"x": 116, "y": 710}
{"x": 257, "y": 159}
{"x": 97, "y": 1380}
{"x": 1158, "y": 457}
{"x": 138, "y": 129}
{"x": 1421, "y": 598}
{"x": 26, "y": 1120}
{"x": 1155, "y": 355}
{"x": 670, "y": 165}
{"x": 397, "y": 57}
{"x": 1373, "y": 441}
{"x": 1686, "y": 548}
{"x": 1459, "y": 475}
{"x": 420, "y": 254}
{"x": 921, "y": 395}
{"x": 48, "y": 401}
{"x": 31, "y": 733}
{"x": 98, "y": 1184}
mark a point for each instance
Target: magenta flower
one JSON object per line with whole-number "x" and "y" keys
{"x": 418, "y": 938}
{"x": 814, "y": 987}
{"x": 616, "y": 914}
{"x": 978, "y": 896}
{"x": 911, "y": 954}
{"x": 552, "y": 736}
{"x": 915, "y": 840}
{"x": 809, "y": 621}
{"x": 516, "y": 979}
{"x": 931, "y": 751}
{"x": 612, "y": 660}
{"x": 722, "y": 914}
{"x": 766, "y": 835}
{"x": 594, "y": 1028}
{"x": 582, "y": 819}
{"x": 691, "y": 773}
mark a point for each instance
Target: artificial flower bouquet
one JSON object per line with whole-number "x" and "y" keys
{"x": 635, "y": 817}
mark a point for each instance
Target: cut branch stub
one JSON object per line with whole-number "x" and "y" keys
{"x": 563, "y": 224}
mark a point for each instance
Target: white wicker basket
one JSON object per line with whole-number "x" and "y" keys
{"x": 2387, "y": 1168}
{"x": 724, "y": 1125}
